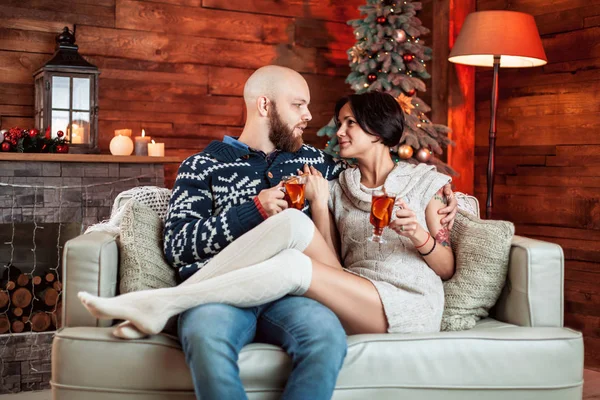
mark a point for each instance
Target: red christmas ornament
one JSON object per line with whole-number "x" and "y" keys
{"x": 62, "y": 148}
{"x": 33, "y": 133}
{"x": 372, "y": 78}
{"x": 5, "y": 146}
{"x": 381, "y": 20}
{"x": 60, "y": 134}
{"x": 411, "y": 92}
{"x": 408, "y": 57}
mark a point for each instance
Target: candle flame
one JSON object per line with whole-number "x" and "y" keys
{"x": 143, "y": 133}
{"x": 153, "y": 142}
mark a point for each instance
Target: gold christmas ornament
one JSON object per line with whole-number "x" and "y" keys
{"x": 423, "y": 154}
{"x": 356, "y": 53}
{"x": 405, "y": 152}
{"x": 405, "y": 103}
{"x": 399, "y": 36}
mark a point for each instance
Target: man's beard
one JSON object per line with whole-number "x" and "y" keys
{"x": 281, "y": 135}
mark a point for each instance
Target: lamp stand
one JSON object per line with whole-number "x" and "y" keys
{"x": 492, "y": 149}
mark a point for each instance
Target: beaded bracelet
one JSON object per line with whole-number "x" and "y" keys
{"x": 424, "y": 243}
{"x": 430, "y": 251}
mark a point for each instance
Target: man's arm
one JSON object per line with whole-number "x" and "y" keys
{"x": 192, "y": 232}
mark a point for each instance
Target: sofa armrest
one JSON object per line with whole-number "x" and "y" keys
{"x": 90, "y": 263}
{"x": 533, "y": 294}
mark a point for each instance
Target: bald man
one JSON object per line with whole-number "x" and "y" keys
{"x": 220, "y": 194}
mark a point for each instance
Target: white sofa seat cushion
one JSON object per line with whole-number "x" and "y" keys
{"x": 491, "y": 356}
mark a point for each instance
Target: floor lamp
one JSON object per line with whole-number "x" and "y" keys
{"x": 506, "y": 39}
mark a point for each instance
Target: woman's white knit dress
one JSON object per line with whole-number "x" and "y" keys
{"x": 411, "y": 292}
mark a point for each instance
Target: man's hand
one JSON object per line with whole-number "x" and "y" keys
{"x": 272, "y": 200}
{"x": 450, "y": 209}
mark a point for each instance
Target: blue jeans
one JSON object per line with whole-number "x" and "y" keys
{"x": 212, "y": 336}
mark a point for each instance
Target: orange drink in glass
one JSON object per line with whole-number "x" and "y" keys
{"x": 294, "y": 191}
{"x": 382, "y": 204}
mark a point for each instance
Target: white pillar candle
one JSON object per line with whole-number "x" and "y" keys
{"x": 156, "y": 149}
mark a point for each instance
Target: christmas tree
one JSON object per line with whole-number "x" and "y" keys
{"x": 390, "y": 56}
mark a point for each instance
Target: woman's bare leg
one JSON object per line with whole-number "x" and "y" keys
{"x": 352, "y": 298}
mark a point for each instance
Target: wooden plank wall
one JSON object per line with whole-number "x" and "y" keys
{"x": 548, "y": 154}
{"x": 177, "y": 67}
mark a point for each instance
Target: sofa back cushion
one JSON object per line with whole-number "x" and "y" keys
{"x": 142, "y": 265}
{"x": 481, "y": 249}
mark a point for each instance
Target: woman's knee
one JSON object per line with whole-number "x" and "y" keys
{"x": 302, "y": 228}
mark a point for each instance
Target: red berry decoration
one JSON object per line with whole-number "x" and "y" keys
{"x": 408, "y": 57}
{"x": 381, "y": 20}
{"x": 411, "y": 92}
{"x": 5, "y": 146}
{"x": 372, "y": 78}
{"x": 62, "y": 148}
{"x": 33, "y": 133}
{"x": 60, "y": 134}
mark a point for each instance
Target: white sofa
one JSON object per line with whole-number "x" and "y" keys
{"x": 523, "y": 352}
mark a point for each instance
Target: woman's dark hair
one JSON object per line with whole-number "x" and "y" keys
{"x": 377, "y": 113}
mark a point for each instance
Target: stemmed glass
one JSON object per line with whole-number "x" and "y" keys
{"x": 382, "y": 204}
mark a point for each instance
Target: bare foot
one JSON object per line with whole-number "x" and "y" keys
{"x": 126, "y": 330}
{"x": 136, "y": 307}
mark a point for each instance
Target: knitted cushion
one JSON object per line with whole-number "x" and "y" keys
{"x": 482, "y": 251}
{"x": 143, "y": 265}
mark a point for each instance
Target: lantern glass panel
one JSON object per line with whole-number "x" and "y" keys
{"x": 60, "y": 122}
{"x": 80, "y": 129}
{"x": 81, "y": 94}
{"x": 61, "y": 93}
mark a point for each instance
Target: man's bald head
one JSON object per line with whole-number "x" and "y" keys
{"x": 272, "y": 81}
{"x": 277, "y": 100}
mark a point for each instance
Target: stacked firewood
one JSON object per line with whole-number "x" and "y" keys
{"x": 29, "y": 302}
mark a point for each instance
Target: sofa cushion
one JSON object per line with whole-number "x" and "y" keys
{"x": 492, "y": 357}
{"x": 142, "y": 265}
{"x": 482, "y": 251}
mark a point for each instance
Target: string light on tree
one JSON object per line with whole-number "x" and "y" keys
{"x": 381, "y": 19}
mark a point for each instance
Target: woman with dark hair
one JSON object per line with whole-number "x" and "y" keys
{"x": 394, "y": 286}
{"x": 407, "y": 270}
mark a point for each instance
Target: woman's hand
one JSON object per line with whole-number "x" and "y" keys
{"x": 316, "y": 188}
{"x": 406, "y": 223}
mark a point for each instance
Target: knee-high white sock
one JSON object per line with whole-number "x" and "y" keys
{"x": 289, "y": 272}
{"x": 290, "y": 229}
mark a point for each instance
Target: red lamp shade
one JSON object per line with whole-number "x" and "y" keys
{"x": 511, "y": 35}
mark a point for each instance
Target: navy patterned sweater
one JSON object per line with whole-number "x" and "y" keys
{"x": 213, "y": 198}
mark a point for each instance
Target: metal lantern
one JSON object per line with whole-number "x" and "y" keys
{"x": 66, "y": 96}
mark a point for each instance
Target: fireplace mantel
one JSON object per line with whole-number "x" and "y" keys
{"x": 88, "y": 158}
